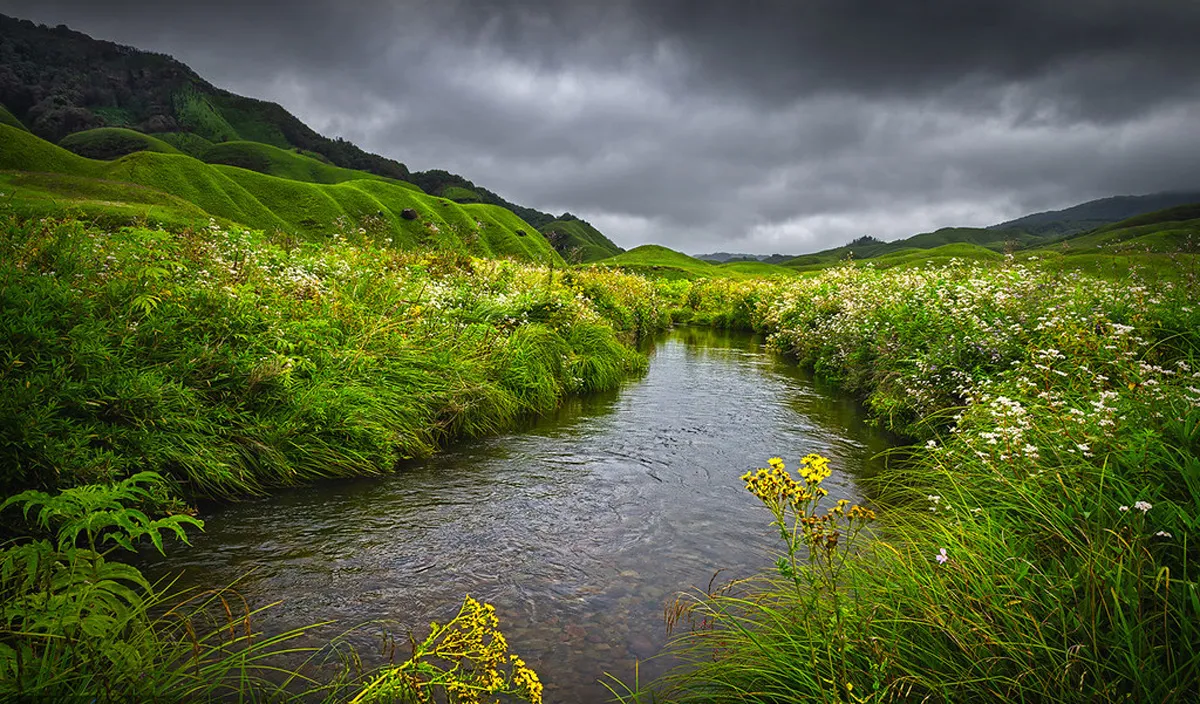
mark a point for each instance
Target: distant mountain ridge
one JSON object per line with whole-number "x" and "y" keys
{"x": 1097, "y": 213}
{"x": 58, "y": 82}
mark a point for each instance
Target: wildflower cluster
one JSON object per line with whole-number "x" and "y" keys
{"x": 464, "y": 661}
{"x": 795, "y": 507}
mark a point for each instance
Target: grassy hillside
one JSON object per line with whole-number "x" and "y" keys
{"x": 578, "y": 241}
{"x": 1097, "y": 213}
{"x": 274, "y": 161}
{"x": 871, "y": 248}
{"x": 113, "y": 143}
{"x": 187, "y": 142}
{"x": 754, "y": 269}
{"x": 176, "y": 187}
{"x": 60, "y": 82}
{"x": 935, "y": 255}
{"x": 460, "y": 194}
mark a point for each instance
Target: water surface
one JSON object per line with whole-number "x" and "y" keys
{"x": 578, "y": 527}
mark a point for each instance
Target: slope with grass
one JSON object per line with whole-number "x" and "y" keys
{"x": 374, "y": 207}
{"x": 289, "y": 164}
{"x": 869, "y": 248}
{"x": 577, "y": 241}
{"x": 1097, "y": 213}
{"x": 108, "y": 143}
{"x": 60, "y": 81}
{"x": 657, "y": 261}
{"x": 754, "y": 269}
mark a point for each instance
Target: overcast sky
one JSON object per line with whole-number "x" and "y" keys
{"x": 786, "y": 126}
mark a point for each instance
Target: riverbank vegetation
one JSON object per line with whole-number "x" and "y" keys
{"x": 1036, "y": 545}
{"x": 145, "y": 368}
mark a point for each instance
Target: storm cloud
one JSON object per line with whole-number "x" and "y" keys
{"x": 762, "y": 127}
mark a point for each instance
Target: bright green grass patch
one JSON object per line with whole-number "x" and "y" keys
{"x": 756, "y": 269}
{"x": 187, "y": 142}
{"x": 375, "y": 206}
{"x": 284, "y": 163}
{"x": 108, "y": 143}
{"x": 112, "y": 203}
{"x": 460, "y": 194}
{"x": 578, "y": 241}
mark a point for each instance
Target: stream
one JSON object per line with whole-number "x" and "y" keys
{"x": 579, "y": 527}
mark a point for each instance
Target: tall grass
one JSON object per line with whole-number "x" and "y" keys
{"x": 231, "y": 362}
{"x": 1038, "y": 547}
{"x": 144, "y": 368}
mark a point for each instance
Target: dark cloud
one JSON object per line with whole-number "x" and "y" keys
{"x": 763, "y": 126}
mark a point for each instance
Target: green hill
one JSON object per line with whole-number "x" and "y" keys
{"x": 1171, "y": 230}
{"x": 661, "y": 262}
{"x": 176, "y": 187}
{"x": 58, "y": 81}
{"x": 186, "y": 142}
{"x": 578, "y": 241}
{"x": 273, "y": 161}
{"x": 61, "y": 82}
{"x": 1097, "y": 213}
{"x": 871, "y": 248}
{"x": 935, "y": 255}
{"x": 458, "y": 194}
{"x": 113, "y": 143}
{"x": 756, "y": 269}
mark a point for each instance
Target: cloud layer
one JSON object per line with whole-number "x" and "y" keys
{"x": 775, "y": 126}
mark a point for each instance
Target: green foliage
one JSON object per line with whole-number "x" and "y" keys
{"x": 108, "y": 143}
{"x": 71, "y": 618}
{"x": 231, "y": 361}
{"x": 1039, "y": 547}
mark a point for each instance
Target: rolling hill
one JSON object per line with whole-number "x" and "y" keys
{"x": 113, "y": 143}
{"x": 577, "y": 241}
{"x": 59, "y": 82}
{"x": 1097, "y": 213}
{"x": 43, "y": 177}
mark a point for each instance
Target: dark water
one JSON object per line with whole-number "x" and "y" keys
{"x": 578, "y": 528}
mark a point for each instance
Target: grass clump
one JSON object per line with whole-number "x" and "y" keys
{"x": 1038, "y": 547}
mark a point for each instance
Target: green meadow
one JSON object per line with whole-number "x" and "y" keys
{"x": 196, "y": 317}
